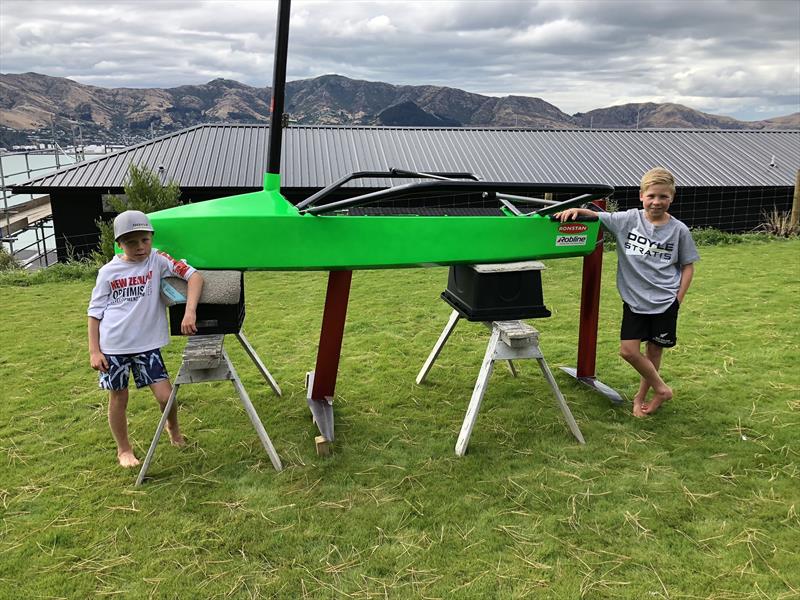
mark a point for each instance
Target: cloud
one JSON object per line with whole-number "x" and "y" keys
{"x": 739, "y": 56}
{"x": 361, "y": 30}
{"x": 554, "y": 34}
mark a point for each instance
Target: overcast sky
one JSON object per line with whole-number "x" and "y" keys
{"x": 737, "y": 58}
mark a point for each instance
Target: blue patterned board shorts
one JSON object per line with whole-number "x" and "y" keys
{"x": 148, "y": 368}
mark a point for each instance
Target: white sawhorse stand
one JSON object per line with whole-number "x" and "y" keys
{"x": 509, "y": 340}
{"x": 204, "y": 359}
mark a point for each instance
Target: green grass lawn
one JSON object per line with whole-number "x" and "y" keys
{"x": 699, "y": 501}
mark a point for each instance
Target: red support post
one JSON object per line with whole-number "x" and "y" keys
{"x": 330, "y": 338}
{"x": 589, "y": 321}
{"x": 590, "y": 307}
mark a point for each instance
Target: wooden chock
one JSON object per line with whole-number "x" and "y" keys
{"x": 324, "y": 447}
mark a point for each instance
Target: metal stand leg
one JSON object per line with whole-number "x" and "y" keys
{"x": 205, "y": 360}
{"x": 477, "y": 394}
{"x": 152, "y": 450}
{"x": 597, "y": 385}
{"x": 259, "y": 365}
{"x": 509, "y": 341}
{"x": 437, "y": 348}
{"x": 251, "y": 412}
{"x": 562, "y": 403}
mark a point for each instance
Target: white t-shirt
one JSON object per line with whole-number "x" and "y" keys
{"x": 127, "y": 301}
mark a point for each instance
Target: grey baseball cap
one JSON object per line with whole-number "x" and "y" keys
{"x": 131, "y": 220}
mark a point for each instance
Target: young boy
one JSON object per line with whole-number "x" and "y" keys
{"x": 656, "y": 256}
{"x": 128, "y": 324}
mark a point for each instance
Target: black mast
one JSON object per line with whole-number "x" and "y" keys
{"x": 278, "y": 88}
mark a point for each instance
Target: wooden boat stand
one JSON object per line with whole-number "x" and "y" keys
{"x": 509, "y": 340}
{"x": 204, "y": 360}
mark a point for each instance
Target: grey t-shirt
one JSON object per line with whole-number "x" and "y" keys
{"x": 650, "y": 258}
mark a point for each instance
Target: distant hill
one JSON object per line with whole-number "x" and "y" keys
{"x": 337, "y": 100}
{"x": 30, "y": 101}
{"x": 673, "y": 116}
{"x": 409, "y": 114}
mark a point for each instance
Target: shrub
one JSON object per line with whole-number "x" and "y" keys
{"x": 778, "y": 223}
{"x": 7, "y": 262}
{"x": 143, "y": 191}
{"x": 609, "y": 243}
{"x": 73, "y": 270}
{"x": 708, "y": 236}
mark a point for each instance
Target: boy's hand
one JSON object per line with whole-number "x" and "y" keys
{"x": 567, "y": 215}
{"x": 98, "y": 361}
{"x": 189, "y": 323}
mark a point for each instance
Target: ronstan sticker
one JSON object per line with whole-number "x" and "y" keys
{"x": 572, "y": 228}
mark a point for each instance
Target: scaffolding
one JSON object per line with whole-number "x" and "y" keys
{"x": 35, "y": 214}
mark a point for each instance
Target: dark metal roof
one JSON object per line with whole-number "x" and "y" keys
{"x": 234, "y": 156}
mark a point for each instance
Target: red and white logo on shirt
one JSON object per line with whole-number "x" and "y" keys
{"x": 179, "y": 267}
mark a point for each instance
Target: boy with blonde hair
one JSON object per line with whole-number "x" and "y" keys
{"x": 656, "y": 256}
{"x": 128, "y": 324}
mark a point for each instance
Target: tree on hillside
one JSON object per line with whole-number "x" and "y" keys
{"x": 143, "y": 191}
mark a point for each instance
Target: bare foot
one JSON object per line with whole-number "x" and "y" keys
{"x": 638, "y": 405}
{"x": 657, "y": 401}
{"x": 175, "y": 438}
{"x": 127, "y": 459}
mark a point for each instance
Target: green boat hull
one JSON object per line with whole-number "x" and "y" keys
{"x": 263, "y": 231}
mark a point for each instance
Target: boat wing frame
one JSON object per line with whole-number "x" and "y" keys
{"x": 454, "y": 183}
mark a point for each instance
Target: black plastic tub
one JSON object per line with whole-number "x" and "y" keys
{"x": 503, "y": 292}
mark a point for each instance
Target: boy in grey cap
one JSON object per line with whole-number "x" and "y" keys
{"x": 128, "y": 324}
{"x": 655, "y": 266}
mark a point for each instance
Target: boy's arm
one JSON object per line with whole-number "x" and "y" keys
{"x": 687, "y": 272}
{"x": 96, "y": 358}
{"x": 194, "y": 287}
{"x": 573, "y": 213}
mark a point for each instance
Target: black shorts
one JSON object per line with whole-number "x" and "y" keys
{"x": 661, "y": 328}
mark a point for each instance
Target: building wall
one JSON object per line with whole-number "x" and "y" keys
{"x": 74, "y": 216}
{"x": 731, "y": 209}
